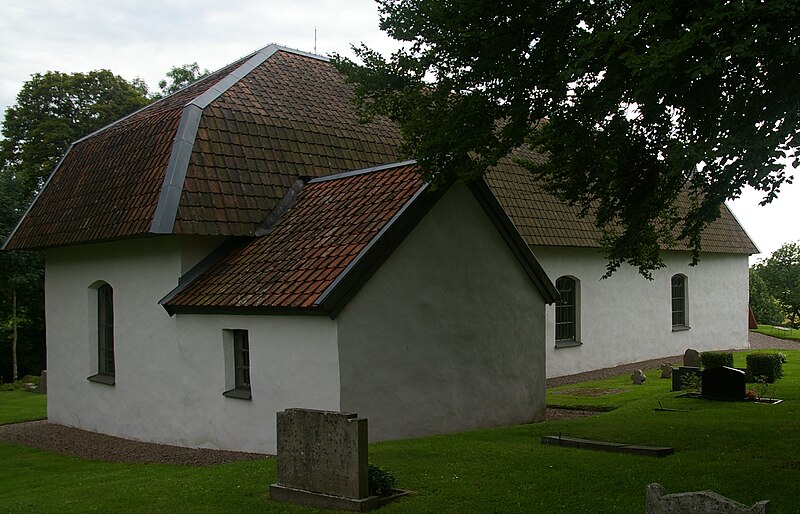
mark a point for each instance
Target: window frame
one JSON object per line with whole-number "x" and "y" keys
{"x": 237, "y": 364}
{"x": 679, "y": 303}
{"x": 567, "y": 331}
{"x": 106, "y": 360}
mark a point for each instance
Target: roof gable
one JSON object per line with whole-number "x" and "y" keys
{"x": 332, "y": 226}
{"x": 323, "y": 246}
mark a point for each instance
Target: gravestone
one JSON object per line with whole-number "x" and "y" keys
{"x": 323, "y": 452}
{"x": 681, "y": 372}
{"x": 723, "y": 384}
{"x": 698, "y": 502}
{"x": 666, "y": 370}
{"x": 691, "y": 358}
{"x": 638, "y": 377}
{"x": 42, "y": 387}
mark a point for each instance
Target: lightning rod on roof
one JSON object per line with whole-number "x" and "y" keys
{"x": 315, "y": 39}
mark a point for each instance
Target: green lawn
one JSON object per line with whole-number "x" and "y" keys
{"x": 16, "y": 406}
{"x": 745, "y": 451}
{"x": 779, "y": 332}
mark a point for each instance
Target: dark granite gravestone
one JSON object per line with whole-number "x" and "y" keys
{"x": 678, "y": 374}
{"x": 723, "y": 384}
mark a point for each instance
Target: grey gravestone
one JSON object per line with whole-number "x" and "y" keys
{"x": 42, "y": 387}
{"x": 699, "y": 502}
{"x": 679, "y": 374}
{"x": 638, "y": 377}
{"x": 323, "y": 452}
{"x": 723, "y": 384}
{"x": 666, "y": 370}
{"x": 691, "y": 358}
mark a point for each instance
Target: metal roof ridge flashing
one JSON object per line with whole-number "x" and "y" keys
{"x": 169, "y": 198}
{"x": 362, "y": 171}
{"x": 280, "y": 209}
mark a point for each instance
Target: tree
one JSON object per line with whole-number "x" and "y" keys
{"x": 52, "y": 110}
{"x": 633, "y": 103}
{"x": 765, "y": 307}
{"x": 179, "y": 77}
{"x": 781, "y": 273}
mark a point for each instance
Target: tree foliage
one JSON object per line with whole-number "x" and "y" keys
{"x": 634, "y": 103}
{"x": 766, "y": 308}
{"x": 53, "y": 110}
{"x": 781, "y": 273}
{"x": 179, "y": 77}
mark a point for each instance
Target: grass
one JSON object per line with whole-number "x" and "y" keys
{"x": 742, "y": 450}
{"x": 17, "y": 406}
{"x": 781, "y": 333}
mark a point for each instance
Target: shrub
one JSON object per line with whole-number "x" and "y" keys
{"x": 381, "y": 483}
{"x": 716, "y": 359}
{"x": 766, "y": 365}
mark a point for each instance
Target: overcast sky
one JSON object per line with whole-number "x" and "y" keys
{"x": 143, "y": 38}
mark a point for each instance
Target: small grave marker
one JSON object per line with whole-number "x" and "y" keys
{"x": 691, "y": 358}
{"x": 638, "y": 377}
{"x": 666, "y": 370}
{"x": 679, "y": 374}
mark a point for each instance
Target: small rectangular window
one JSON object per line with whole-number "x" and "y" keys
{"x": 241, "y": 353}
{"x": 237, "y": 363}
{"x": 105, "y": 334}
{"x": 105, "y": 329}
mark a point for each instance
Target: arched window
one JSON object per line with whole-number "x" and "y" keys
{"x": 567, "y": 309}
{"x": 679, "y": 295}
{"x": 105, "y": 330}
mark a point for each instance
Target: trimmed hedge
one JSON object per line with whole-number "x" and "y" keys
{"x": 767, "y": 365}
{"x": 716, "y": 359}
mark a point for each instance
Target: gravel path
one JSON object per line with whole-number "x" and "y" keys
{"x": 91, "y": 445}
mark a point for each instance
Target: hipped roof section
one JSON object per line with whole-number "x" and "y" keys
{"x": 211, "y": 159}
{"x": 326, "y": 242}
{"x": 216, "y": 157}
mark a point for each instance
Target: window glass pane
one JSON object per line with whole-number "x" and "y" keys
{"x": 241, "y": 349}
{"x": 565, "y": 309}
{"x": 678, "y": 300}
{"x": 105, "y": 329}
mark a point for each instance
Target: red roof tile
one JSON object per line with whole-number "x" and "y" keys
{"x": 330, "y": 225}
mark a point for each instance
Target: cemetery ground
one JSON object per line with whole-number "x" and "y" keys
{"x": 745, "y": 451}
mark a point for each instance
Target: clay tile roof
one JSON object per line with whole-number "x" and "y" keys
{"x": 332, "y": 224}
{"x": 216, "y": 158}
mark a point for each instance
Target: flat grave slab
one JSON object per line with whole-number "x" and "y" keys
{"x": 588, "y": 444}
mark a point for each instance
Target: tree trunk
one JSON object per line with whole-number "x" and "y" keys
{"x": 14, "y": 334}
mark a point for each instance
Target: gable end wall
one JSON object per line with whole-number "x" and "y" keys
{"x": 447, "y": 335}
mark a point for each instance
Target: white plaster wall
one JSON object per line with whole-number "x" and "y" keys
{"x": 447, "y": 335}
{"x": 294, "y": 362}
{"x": 140, "y": 272}
{"x": 627, "y": 318}
{"x": 170, "y": 371}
